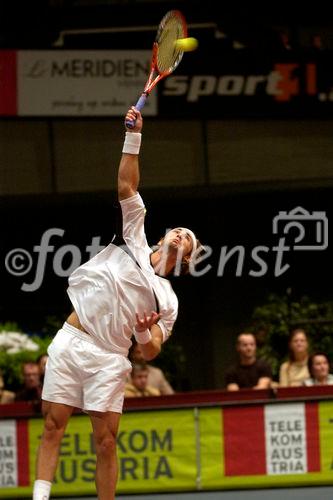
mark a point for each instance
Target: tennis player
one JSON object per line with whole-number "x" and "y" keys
{"x": 120, "y": 292}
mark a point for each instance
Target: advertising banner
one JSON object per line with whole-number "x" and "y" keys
{"x": 14, "y": 446}
{"x": 237, "y": 83}
{"x": 73, "y": 83}
{"x": 243, "y": 83}
{"x": 156, "y": 452}
{"x": 272, "y": 445}
{"x": 8, "y": 83}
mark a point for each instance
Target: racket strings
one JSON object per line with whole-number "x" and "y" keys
{"x": 168, "y": 55}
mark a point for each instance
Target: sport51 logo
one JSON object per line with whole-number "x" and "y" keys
{"x": 282, "y": 83}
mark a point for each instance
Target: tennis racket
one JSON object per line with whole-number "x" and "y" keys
{"x": 166, "y": 55}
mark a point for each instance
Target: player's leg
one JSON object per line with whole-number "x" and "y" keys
{"x": 105, "y": 429}
{"x": 56, "y": 416}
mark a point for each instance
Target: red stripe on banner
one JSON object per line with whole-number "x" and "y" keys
{"x": 311, "y": 79}
{"x": 244, "y": 441}
{"x": 8, "y": 83}
{"x": 312, "y": 436}
{"x": 22, "y": 446}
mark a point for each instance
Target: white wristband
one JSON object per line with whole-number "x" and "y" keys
{"x": 142, "y": 337}
{"x": 132, "y": 143}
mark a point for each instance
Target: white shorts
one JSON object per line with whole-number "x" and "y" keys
{"x": 82, "y": 374}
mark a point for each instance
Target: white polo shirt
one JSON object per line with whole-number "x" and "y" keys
{"x": 109, "y": 289}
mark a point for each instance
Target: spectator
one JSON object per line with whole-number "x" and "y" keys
{"x": 6, "y": 397}
{"x": 138, "y": 387}
{"x": 32, "y": 387}
{"x": 294, "y": 371}
{"x": 317, "y": 44}
{"x": 42, "y": 360}
{"x": 284, "y": 42}
{"x": 319, "y": 368}
{"x": 156, "y": 377}
{"x": 249, "y": 372}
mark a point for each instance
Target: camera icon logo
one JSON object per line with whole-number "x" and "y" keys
{"x": 312, "y": 228}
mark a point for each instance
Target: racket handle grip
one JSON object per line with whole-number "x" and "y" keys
{"x": 139, "y": 105}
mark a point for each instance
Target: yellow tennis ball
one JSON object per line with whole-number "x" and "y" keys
{"x": 186, "y": 44}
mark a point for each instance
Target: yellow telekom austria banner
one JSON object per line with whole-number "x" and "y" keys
{"x": 283, "y": 444}
{"x": 156, "y": 452}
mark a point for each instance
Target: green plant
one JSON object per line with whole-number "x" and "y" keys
{"x": 52, "y": 324}
{"x": 273, "y": 321}
{"x": 172, "y": 362}
{"x": 17, "y": 348}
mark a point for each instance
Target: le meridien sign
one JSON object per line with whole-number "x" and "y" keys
{"x": 72, "y": 83}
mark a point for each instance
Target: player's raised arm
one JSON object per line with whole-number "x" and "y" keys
{"x": 128, "y": 173}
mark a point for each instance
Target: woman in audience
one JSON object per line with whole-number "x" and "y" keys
{"x": 319, "y": 368}
{"x": 294, "y": 371}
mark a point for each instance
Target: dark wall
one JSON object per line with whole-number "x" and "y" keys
{"x": 213, "y": 309}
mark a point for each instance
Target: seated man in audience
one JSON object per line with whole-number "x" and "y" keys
{"x": 319, "y": 369}
{"x": 6, "y": 397}
{"x": 32, "y": 386}
{"x": 138, "y": 386}
{"x": 156, "y": 377}
{"x": 249, "y": 372}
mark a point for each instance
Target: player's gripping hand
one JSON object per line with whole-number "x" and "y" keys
{"x": 146, "y": 322}
{"x": 134, "y": 115}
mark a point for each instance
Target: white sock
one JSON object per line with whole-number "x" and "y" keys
{"x": 42, "y": 490}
